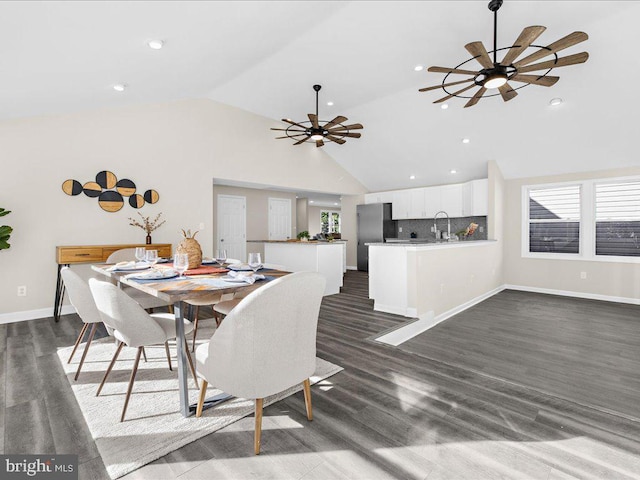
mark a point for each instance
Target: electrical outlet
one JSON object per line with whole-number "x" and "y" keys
{"x": 400, "y": 229}
{"x": 22, "y": 291}
{"x": 201, "y": 225}
{"x": 481, "y": 229}
{"x": 583, "y": 275}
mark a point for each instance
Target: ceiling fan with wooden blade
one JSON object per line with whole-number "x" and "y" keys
{"x": 496, "y": 74}
{"x": 312, "y": 131}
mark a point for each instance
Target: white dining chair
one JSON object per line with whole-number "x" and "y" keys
{"x": 82, "y": 300}
{"x": 146, "y": 301}
{"x": 134, "y": 327}
{"x": 207, "y": 301}
{"x": 266, "y": 345}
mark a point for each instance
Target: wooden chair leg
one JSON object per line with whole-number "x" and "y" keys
{"x": 203, "y": 395}
{"x": 166, "y": 349}
{"x": 195, "y": 328}
{"x": 144, "y": 354}
{"x": 79, "y": 339}
{"x": 307, "y": 398}
{"x": 86, "y": 349}
{"x": 131, "y": 380}
{"x": 113, "y": 362}
{"x": 170, "y": 308}
{"x": 193, "y": 369}
{"x": 216, "y": 317}
{"x": 258, "y": 432}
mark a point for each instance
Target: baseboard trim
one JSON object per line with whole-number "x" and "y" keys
{"x": 405, "y": 312}
{"x": 567, "y": 293}
{"x": 426, "y": 321}
{"x": 33, "y": 314}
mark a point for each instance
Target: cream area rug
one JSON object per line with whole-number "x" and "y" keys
{"x": 153, "y": 426}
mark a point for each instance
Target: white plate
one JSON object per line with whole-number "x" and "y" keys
{"x": 159, "y": 276}
{"x": 208, "y": 261}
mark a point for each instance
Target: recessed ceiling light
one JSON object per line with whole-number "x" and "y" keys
{"x": 155, "y": 44}
{"x": 330, "y": 104}
{"x": 453, "y": 171}
{"x": 310, "y": 201}
{"x": 465, "y": 140}
{"x": 336, "y": 203}
{"x": 555, "y": 102}
{"x": 444, "y": 106}
{"x": 412, "y": 177}
{"x": 418, "y": 68}
{"x": 119, "y": 87}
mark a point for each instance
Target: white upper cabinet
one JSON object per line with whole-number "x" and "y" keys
{"x": 378, "y": 197}
{"x": 476, "y": 198}
{"x": 458, "y": 200}
{"x": 401, "y": 205}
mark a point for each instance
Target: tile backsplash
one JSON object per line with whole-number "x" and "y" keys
{"x": 422, "y": 227}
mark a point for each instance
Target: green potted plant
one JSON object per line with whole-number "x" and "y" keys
{"x": 5, "y": 231}
{"x": 303, "y": 236}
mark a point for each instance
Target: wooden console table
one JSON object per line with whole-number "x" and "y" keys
{"x": 71, "y": 255}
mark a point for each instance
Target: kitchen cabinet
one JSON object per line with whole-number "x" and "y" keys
{"x": 476, "y": 198}
{"x": 458, "y": 200}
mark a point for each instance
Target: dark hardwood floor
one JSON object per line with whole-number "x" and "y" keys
{"x": 418, "y": 412}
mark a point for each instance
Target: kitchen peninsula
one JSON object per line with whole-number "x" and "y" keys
{"x": 327, "y": 258}
{"x": 432, "y": 281}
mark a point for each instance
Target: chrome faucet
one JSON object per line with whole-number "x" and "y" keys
{"x": 435, "y": 224}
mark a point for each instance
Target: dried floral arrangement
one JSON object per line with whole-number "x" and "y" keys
{"x": 147, "y": 225}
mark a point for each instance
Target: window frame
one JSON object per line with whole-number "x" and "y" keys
{"x": 587, "y": 248}
{"x": 330, "y": 212}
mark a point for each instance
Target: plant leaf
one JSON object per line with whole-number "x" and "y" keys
{"x": 4, "y": 212}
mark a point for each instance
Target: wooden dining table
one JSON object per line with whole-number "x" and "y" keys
{"x": 176, "y": 291}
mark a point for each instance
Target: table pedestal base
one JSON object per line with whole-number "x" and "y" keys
{"x": 211, "y": 402}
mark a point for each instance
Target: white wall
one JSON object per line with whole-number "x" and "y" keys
{"x": 176, "y": 148}
{"x": 315, "y": 225}
{"x": 302, "y": 215}
{"x": 603, "y": 278}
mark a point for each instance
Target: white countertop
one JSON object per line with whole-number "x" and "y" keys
{"x": 434, "y": 246}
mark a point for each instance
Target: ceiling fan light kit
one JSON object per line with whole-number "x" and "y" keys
{"x": 311, "y": 130}
{"x": 497, "y": 75}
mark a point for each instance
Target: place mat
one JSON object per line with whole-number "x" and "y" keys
{"x": 204, "y": 270}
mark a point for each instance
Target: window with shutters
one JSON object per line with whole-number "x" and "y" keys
{"x": 618, "y": 219}
{"x": 554, "y": 220}
{"x": 595, "y": 220}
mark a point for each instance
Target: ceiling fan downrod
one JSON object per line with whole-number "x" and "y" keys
{"x": 494, "y": 6}
{"x": 317, "y": 89}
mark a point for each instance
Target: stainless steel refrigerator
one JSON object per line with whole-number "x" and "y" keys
{"x": 374, "y": 225}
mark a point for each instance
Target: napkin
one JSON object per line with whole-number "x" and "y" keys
{"x": 153, "y": 274}
{"x": 121, "y": 265}
{"x": 247, "y": 277}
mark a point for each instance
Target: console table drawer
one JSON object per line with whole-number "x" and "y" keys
{"x": 79, "y": 254}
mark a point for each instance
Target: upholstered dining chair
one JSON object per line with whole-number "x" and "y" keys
{"x": 82, "y": 300}
{"x": 207, "y": 301}
{"x": 266, "y": 344}
{"x": 134, "y": 327}
{"x": 146, "y": 301}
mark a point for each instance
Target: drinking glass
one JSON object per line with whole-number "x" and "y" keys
{"x": 152, "y": 257}
{"x": 255, "y": 261}
{"x": 181, "y": 263}
{"x": 141, "y": 254}
{"x": 221, "y": 256}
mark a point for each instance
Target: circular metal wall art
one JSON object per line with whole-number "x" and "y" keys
{"x": 110, "y": 201}
{"x": 92, "y": 189}
{"x": 106, "y": 179}
{"x": 72, "y": 187}
{"x": 136, "y": 201}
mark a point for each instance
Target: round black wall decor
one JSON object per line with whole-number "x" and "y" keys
{"x": 126, "y": 187}
{"x": 92, "y": 189}
{"x": 106, "y": 179}
{"x": 136, "y": 201}
{"x": 110, "y": 201}
{"x": 72, "y": 187}
{"x": 151, "y": 196}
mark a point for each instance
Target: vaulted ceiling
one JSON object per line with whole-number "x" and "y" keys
{"x": 264, "y": 57}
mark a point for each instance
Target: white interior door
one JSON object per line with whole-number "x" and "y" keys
{"x": 279, "y": 218}
{"x": 232, "y": 226}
